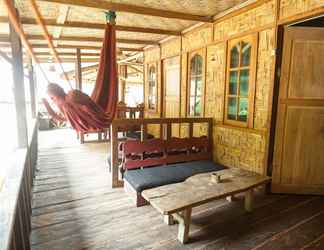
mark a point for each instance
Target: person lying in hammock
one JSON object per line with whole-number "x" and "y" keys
{"x": 78, "y": 108}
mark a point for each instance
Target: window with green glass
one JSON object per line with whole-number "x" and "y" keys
{"x": 152, "y": 87}
{"x": 196, "y": 85}
{"x": 239, "y": 72}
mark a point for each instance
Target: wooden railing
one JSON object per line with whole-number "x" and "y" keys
{"x": 16, "y": 196}
{"x": 165, "y": 133}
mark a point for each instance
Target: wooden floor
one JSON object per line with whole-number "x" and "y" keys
{"x": 74, "y": 208}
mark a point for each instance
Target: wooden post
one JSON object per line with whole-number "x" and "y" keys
{"x": 19, "y": 90}
{"x": 249, "y": 200}
{"x": 78, "y": 70}
{"x": 122, "y": 82}
{"x": 32, "y": 88}
{"x": 114, "y": 156}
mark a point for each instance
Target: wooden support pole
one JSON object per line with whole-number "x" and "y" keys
{"x": 114, "y": 156}
{"x": 78, "y": 70}
{"x": 249, "y": 200}
{"x": 32, "y": 88}
{"x": 122, "y": 82}
{"x": 19, "y": 89}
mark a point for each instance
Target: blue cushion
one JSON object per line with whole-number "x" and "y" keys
{"x": 141, "y": 179}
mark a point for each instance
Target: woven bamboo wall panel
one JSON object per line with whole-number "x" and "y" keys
{"x": 257, "y": 17}
{"x": 264, "y": 78}
{"x": 289, "y": 8}
{"x": 152, "y": 55}
{"x": 215, "y": 81}
{"x": 236, "y": 148}
{"x": 197, "y": 38}
{"x": 171, "y": 48}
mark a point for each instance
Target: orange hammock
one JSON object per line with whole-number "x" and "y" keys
{"x": 96, "y": 113}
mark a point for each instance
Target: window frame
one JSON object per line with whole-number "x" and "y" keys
{"x": 155, "y": 94}
{"x": 253, "y": 40}
{"x": 202, "y": 53}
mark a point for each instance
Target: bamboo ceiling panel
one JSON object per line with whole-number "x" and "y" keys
{"x": 37, "y": 30}
{"x": 82, "y": 14}
{"x": 120, "y": 34}
{"x": 198, "y": 7}
{"x": 48, "y": 10}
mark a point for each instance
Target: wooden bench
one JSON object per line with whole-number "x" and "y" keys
{"x": 166, "y": 125}
{"x": 157, "y": 162}
{"x": 176, "y": 201}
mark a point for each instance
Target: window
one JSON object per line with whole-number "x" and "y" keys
{"x": 240, "y": 82}
{"x": 196, "y": 91}
{"x": 152, "y": 88}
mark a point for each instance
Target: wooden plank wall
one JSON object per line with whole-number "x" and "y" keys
{"x": 234, "y": 147}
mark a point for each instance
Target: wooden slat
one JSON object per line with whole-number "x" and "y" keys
{"x": 101, "y": 4}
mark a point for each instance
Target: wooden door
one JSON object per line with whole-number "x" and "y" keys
{"x": 171, "y": 82}
{"x": 298, "y": 165}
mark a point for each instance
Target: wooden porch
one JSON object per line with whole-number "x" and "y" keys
{"x": 74, "y": 207}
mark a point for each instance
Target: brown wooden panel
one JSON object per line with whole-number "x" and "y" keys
{"x": 304, "y": 137}
{"x": 298, "y": 155}
{"x": 307, "y": 57}
{"x": 171, "y": 81}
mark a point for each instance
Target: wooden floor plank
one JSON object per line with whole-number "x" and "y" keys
{"x": 75, "y": 208}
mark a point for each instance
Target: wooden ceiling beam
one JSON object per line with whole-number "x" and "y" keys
{"x": 98, "y": 26}
{"x": 105, "y": 5}
{"x": 66, "y": 54}
{"x": 93, "y": 39}
{"x": 4, "y": 42}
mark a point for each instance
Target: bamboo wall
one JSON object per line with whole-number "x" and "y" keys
{"x": 233, "y": 146}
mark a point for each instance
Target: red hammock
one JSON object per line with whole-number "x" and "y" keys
{"x": 96, "y": 113}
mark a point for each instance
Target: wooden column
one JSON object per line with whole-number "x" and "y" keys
{"x": 122, "y": 82}
{"x": 78, "y": 70}
{"x": 32, "y": 88}
{"x": 19, "y": 90}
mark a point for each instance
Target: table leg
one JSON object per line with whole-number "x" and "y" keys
{"x": 168, "y": 219}
{"x": 184, "y": 223}
{"x": 249, "y": 200}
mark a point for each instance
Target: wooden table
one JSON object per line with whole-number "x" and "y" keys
{"x": 176, "y": 201}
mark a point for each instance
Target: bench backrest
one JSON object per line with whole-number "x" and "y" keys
{"x": 156, "y": 152}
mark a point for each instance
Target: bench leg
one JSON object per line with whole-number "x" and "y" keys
{"x": 184, "y": 223}
{"x": 168, "y": 219}
{"x": 249, "y": 200}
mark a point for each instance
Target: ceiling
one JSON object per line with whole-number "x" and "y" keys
{"x": 80, "y": 23}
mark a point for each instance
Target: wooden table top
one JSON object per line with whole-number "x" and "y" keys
{"x": 200, "y": 189}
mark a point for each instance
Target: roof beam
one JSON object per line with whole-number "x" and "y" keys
{"x": 5, "y": 43}
{"x": 98, "y": 26}
{"x": 66, "y": 54}
{"x": 92, "y": 39}
{"x": 61, "y": 19}
{"x": 105, "y": 5}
